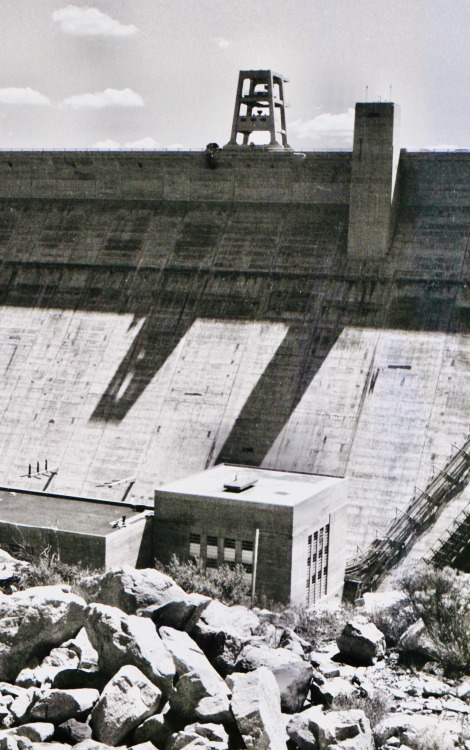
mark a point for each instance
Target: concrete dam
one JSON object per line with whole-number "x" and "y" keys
{"x": 164, "y": 312}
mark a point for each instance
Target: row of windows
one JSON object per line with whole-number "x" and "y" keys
{"x": 316, "y": 583}
{"x": 214, "y": 551}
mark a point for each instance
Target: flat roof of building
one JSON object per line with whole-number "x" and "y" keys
{"x": 254, "y": 485}
{"x": 79, "y": 515}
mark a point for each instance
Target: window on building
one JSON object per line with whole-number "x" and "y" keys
{"x": 317, "y": 565}
{"x": 247, "y": 552}
{"x": 211, "y": 563}
{"x": 195, "y": 545}
{"x": 212, "y": 549}
{"x": 248, "y": 573}
{"x": 229, "y": 550}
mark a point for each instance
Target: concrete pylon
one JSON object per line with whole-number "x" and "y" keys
{"x": 259, "y": 108}
{"x": 375, "y": 157}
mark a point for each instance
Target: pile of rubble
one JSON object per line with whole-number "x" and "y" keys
{"x": 136, "y": 662}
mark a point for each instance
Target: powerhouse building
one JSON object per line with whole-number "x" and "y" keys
{"x": 285, "y": 528}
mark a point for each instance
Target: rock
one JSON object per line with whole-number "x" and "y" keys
{"x": 237, "y": 619}
{"x": 199, "y": 735}
{"x": 407, "y": 728}
{"x": 34, "y": 619}
{"x": 130, "y": 589}
{"x": 182, "y": 612}
{"x": 59, "y": 658}
{"x": 39, "y": 731}
{"x": 187, "y": 655}
{"x": 256, "y": 707}
{"x": 293, "y": 674}
{"x": 342, "y": 730}
{"x": 60, "y": 705}
{"x": 293, "y": 642}
{"x": 78, "y": 678}
{"x": 433, "y": 688}
{"x": 201, "y": 695}
{"x": 213, "y": 732}
{"x": 362, "y": 642}
{"x": 331, "y": 692}
{"x": 142, "y": 746}
{"x": 128, "y": 699}
{"x": 155, "y": 729}
{"x": 126, "y": 639}
{"x": 73, "y": 732}
{"x": 222, "y": 632}
{"x": 416, "y": 640}
{"x": 463, "y": 691}
{"x": 89, "y": 745}
{"x": 22, "y": 703}
{"x": 81, "y": 645}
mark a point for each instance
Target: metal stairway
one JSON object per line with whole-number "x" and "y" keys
{"x": 450, "y": 550}
{"x": 365, "y": 572}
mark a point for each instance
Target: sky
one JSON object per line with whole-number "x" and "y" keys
{"x": 138, "y": 74}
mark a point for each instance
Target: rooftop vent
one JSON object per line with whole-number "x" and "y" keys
{"x": 240, "y": 484}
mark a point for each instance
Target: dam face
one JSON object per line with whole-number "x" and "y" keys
{"x": 161, "y": 314}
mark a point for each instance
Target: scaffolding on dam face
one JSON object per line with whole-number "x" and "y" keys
{"x": 366, "y": 572}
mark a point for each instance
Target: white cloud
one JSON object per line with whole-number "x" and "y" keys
{"x": 108, "y": 144}
{"x": 107, "y": 98}
{"x": 143, "y": 143}
{"x": 87, "y": 21}
{"x": 221, "y": 42}
{"x": 176, "y": 147}
{"x": 326, "y": 129}
{"x": 140, "y": 145}
{"x": 27, "y": 95}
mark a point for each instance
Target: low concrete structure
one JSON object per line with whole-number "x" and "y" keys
{"x": 287, "y": 529}
{"x": 83, "y": 531}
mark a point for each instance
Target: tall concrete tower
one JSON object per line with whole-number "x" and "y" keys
{"x": 259, "y": 108}
{"x": 376, "y": 152}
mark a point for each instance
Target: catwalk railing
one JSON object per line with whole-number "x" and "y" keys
{"x": 365, "y": 571}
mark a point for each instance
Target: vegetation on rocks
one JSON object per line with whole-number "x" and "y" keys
{"x": 225, "y": 583}
{"x": 441, "y": 599}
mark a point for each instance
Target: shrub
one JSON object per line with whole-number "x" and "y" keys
{"x": 393, "y": 620}
{"x": 441, "y": 599}
{"x": 46, "y": 569}
{"x": 318, "y": 626}
{"x": 225, "y": 583}
{"x": 375, "y": 706}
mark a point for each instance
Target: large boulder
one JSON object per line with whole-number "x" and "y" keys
{"x": 362, "y": 642}
{"x": 34, "y": 621}
{"x": 60, "y": 658}
{"x": 60, "y": 705}
{"x": 314, "y": 729}
{"x": 199, "y": 735}
{"x": 38, "y": 731}
{"x": 130, "y": 589}
{"x": 187, "y": 655}
{"x": 222, "y": 631}
{"x": 181, "y": 612}
{"x": 72, "y": 732}
{"x": 293, "y": 674}
{"x": 126, "y": 701}
{"x": 256, "y": 707}
{"x": 156, "y": 729}
{"x": 417, "y": 641}
{"x": 127, "y": 639}
{"x": 415, "y": 730}
{"x": 202, "y": 696}
{"x": 332, "y": 692}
